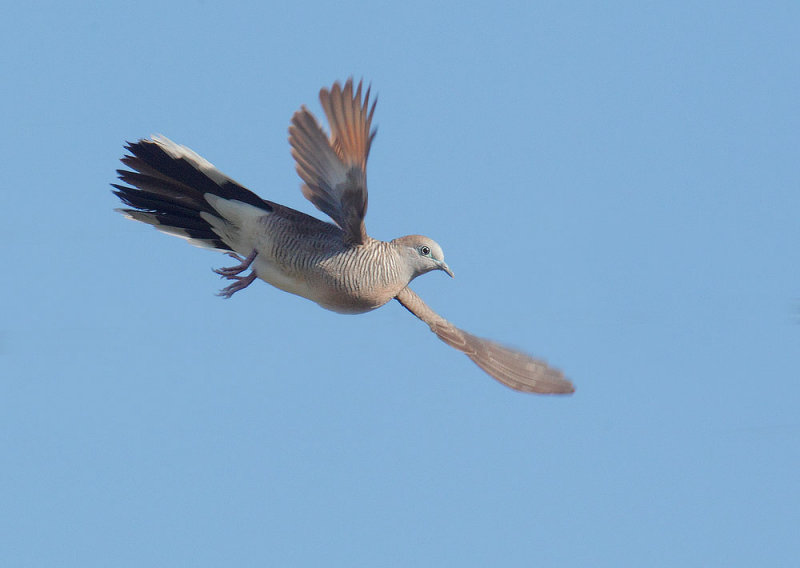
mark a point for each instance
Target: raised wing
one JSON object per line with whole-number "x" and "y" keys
{"x": 511, "y": 367}
{"x": 334, "y": 171}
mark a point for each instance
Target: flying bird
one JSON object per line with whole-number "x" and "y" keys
{"x": 338, "y": 266}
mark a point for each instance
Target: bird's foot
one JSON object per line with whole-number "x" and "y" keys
{"x": 231, "y": 272}
{"x": 241, "y": 283}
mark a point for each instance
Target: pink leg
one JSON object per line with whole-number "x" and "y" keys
{"x": 239, "y": 268}
{"x": 241, "y": 283}
{"x": 232, "y": 273}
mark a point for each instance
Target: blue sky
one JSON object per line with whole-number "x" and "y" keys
{"x": 616, "y": 187}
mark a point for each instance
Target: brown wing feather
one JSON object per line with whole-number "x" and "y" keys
{"x": 513, "y": 368}
{"x": 335, "y": 171}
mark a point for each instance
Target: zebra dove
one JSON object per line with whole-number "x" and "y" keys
{"x": 339, "y": 266}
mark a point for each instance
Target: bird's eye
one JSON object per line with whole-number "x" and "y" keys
{"x": 425, "y": 250}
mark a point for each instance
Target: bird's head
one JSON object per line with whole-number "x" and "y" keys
{"x": 421, "y": 254}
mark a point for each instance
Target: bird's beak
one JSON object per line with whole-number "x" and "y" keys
{"x": 443, "y": 266}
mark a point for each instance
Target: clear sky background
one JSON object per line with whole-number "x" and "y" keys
{"x": 615, "y": 185}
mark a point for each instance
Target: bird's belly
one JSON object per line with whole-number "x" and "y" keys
{"x": 321, "y": 290}
{"x": 285, "y": 280}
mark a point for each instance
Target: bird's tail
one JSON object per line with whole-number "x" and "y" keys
{"x": 172, "y": 188}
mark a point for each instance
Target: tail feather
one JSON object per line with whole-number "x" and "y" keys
{"x": 203, "y": 239}
{"x": 153, "y": 201}
{"x": 169, "y": 187}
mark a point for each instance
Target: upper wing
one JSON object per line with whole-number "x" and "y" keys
{"x": 509, "y": 366}
{"x": 335, "y": 172}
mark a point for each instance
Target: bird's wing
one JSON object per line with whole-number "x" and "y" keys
{"x": 511, "y": 367}
{"x": 334, "y": 171}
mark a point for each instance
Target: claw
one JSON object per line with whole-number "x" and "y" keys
{"x": 230, "y": 272}
{"x": 241, "y": 283}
